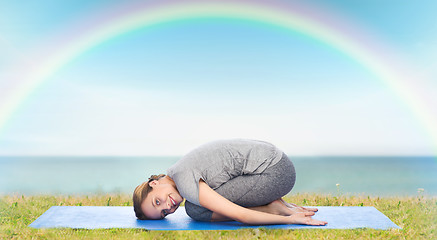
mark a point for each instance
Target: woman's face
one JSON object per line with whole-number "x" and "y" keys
{"x": 164, "y": 199}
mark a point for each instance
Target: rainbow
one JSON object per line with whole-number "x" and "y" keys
{"x": 291, "y": 19}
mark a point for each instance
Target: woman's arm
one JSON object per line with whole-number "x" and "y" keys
{"x": 223, "y": 209}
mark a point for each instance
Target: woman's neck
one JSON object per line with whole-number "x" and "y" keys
{"x": 168, "y": 180}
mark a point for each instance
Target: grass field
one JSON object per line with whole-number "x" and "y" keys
{"x": 417, "y": 216}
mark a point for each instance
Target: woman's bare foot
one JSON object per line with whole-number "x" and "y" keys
{"x": 297, "y": 208}
{"x": 280, "y": 208}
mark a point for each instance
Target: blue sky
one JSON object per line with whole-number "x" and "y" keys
{"x": 166, "y": 89}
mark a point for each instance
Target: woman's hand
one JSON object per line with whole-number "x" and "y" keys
{"x": 305, "y": 219}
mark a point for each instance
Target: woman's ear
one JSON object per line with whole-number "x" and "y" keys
{"x": 153, "y": 183}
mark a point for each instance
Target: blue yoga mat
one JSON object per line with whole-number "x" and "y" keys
{"x": 92, "y": 217}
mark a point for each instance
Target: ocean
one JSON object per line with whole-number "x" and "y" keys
{"x": 374, "y": 176}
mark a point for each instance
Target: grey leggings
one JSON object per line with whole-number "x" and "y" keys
{"x": 252, "y": 190}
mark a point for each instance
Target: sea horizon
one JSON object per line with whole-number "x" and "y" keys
{"x": 350, "y": 175}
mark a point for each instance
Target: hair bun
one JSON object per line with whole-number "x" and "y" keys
{"x": 156, "y": 177}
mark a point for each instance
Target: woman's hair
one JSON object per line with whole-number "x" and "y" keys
{"x": 140, "y": 193}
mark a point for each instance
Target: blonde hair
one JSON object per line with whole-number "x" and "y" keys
{"x": 140, "y": 193}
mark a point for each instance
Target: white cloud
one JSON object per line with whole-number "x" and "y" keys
{"x": 102, "y": 120}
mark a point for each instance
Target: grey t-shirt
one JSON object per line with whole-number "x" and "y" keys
{"x": 219, "y": 161}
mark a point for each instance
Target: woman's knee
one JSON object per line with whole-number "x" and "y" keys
{"x": 197, "y": 212}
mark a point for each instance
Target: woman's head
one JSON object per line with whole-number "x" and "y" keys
{"x": 156, "y": 198}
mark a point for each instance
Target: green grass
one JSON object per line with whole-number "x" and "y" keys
{"x": 417, "y": 216}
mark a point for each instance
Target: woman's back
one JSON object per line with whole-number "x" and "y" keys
{"x": 219, "y": 161}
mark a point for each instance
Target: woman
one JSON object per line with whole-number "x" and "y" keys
{"x": 238, "y": 179}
